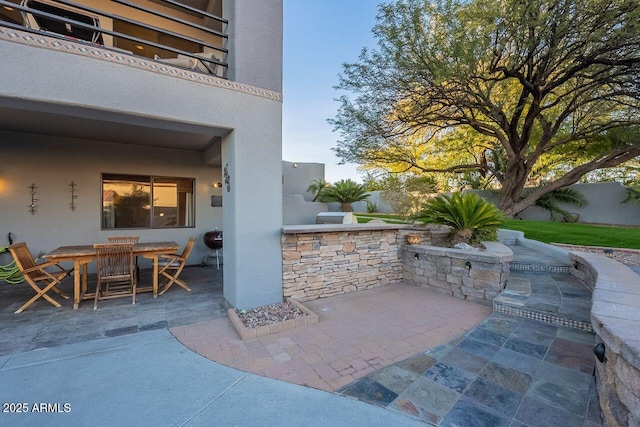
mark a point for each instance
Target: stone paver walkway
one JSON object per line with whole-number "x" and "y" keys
{"x": 506, "y": 372}
{"x": 358, "y": 333}
{"x": 520, "y": 367}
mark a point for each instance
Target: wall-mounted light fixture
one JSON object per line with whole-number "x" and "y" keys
{"x": 468, "y": 265}
{"x": 217, "y": 185}
{"x": 295, "y": 165}
{"x": 416, "y": 257}
{"x": 608, "y": 253}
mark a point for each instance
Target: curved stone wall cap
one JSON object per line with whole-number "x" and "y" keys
{"x": 335, "y": 228}
{"x": 499, "y": 250}
{"x": 495, "y": 252}
{"x": 621, "y": 335}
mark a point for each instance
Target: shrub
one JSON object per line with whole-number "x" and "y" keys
{"x": 344, "y": 192}
{"x": 549, "y": 202}
{"x": 371, "y": 207}
{"x": 471, "y": 218}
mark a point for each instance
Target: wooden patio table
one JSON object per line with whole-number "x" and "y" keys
{"x": 84, "y": 254}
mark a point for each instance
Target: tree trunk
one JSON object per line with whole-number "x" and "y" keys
{"x": 346, "y": 207}
{"x": 515, "y": 178}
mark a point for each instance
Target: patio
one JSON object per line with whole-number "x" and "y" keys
{"x": 428, "y": 356}
{"x": 42, "y": 325}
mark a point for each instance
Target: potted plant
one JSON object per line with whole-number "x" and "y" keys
{"x": 413, "y": 239}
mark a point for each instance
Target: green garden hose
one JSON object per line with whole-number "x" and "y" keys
{"x": 10, "y": 273}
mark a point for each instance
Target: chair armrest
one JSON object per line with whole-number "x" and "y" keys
{"x": 172, "y": 257}
{"x": 41, "y": 266}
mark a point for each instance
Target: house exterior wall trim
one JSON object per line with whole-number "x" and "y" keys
{"x": 105, "y": 54}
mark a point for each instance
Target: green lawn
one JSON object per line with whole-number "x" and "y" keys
{"x": 577, "y": 234}
{"x": 366, "y": 217}
{"x": 555, "y": 232}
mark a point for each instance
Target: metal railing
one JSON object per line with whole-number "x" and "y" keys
{"x": 213, "y": 61}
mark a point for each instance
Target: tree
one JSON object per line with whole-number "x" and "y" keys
{"x": 550, "y": 86}
{"x": 344, "y": 192}
{"x": 405, "y": 194}
{"x": 316, "y": 187}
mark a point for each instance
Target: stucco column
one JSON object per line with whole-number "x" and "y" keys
{"x": 255, "y": 42}
{"x": 252, "y": 211}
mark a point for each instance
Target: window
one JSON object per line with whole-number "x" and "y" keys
{"x": 132, "y": 201}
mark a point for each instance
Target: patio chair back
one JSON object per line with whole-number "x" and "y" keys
{"x": 115, "y": 266}
{"x": 23, "y": 258}
{"x": 124, "y": 239}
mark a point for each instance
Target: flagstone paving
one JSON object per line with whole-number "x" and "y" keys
{"x": 508, "y": 371}
{"x": 43, "y": 325}
{"x": 511, "y": 370}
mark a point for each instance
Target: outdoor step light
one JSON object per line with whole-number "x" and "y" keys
{"x": 468, "y": 265}
{"x": 599, "y": 350}
{"x": 608, "y": 253}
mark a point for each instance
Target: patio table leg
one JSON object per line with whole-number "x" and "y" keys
{"x": 155, "y": 276}
{"x": 76, "y": 283}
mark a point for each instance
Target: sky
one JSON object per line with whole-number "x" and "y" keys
{"x": 320, "y": 36}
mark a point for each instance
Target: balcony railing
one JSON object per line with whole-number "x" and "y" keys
{"x": 163, "y": 30}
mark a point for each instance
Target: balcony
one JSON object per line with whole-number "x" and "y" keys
{"x": 189, "y": 35}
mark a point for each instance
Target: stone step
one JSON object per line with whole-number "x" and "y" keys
{"x": 539, "y": 267}
{"x": 517, "y": 300}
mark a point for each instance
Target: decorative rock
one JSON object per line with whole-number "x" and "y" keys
{"x": 464, "y": 246}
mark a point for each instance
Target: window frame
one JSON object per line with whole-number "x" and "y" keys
{"x": 151, "y": 179}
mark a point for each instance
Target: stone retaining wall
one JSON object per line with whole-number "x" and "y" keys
{"x": 325, "y": 260}
{"x": 445, "y": 270}
{"x": 615, "y": 317}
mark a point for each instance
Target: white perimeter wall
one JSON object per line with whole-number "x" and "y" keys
{"x": 604, "y": 205}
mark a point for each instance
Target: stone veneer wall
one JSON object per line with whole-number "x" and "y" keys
{"x": 444, "y": 270}
{"x": 325, "y": 260}
{"x": 615, "y": 317}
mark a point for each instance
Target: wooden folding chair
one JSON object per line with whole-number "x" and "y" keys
{"x": 172, "y": 265}
{"x": 115, "y": 266}
{"x": 127, "y": 239}
{"x": 36, "y": 273}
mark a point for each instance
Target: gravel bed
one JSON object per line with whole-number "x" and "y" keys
{"x": 269, "y": 314}
{"x": 625, "y": 256}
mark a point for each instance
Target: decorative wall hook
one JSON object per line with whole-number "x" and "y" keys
{"x": 33, "y": 208}
{"x": 72, "y": 205}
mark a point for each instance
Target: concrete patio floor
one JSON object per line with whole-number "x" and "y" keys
{"x": 43, "y": 325}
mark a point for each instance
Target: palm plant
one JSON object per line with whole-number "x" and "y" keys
{"x": 470, "y": 216}
{"x": 316, "y": 187}
{"x": 344, "y": 192}
{"x": 549, "y": 202}
{"x": 633, "y": 195}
